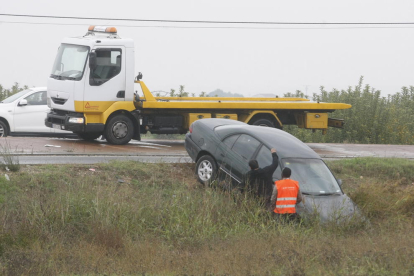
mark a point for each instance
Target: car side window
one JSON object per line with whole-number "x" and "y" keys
{"x": 38, "y": 98}
{"x": 246, "y": 146}
{"x": 108, "y": 65}
{"x": 229, "y": 141}
{"x": 264, "y": 158}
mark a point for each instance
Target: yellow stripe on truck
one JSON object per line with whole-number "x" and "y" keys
{"x": 92, "y": 106}
{"x": 97, "y": 112}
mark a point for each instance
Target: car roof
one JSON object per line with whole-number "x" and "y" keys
{"x": 286, "y": 145}
{"x": 38, "y": 88}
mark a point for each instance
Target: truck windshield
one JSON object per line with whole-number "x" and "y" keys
{"x": 313, "y": 175}
{"x": 70, "y": 62}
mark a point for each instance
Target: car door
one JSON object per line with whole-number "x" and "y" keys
{"x": 264, "y": 158}
{"x": 31, "y": 116}
{"x": 223, "y": 149}
{"x": 236, "y": 160}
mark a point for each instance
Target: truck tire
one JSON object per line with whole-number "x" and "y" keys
{"x": 89, "y": 136}
{"x": 263, "y": 122}
{"x": 119, "y": 130}
{"x": 206, "y": 170}
{"x": 4, "y": 129}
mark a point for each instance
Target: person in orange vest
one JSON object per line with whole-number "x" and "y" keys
{"x": 286, "y": 194}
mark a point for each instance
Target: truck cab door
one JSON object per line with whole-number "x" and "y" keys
{"x": 107, "y": 81}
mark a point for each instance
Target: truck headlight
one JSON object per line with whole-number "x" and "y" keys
{"x": 49, "y": 104}
{"x": 76, "y": 120}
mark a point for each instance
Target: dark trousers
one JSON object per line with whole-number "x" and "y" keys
{"x": 289, "y": 218}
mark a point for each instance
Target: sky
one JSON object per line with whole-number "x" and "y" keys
{"x": 240, "y": 58}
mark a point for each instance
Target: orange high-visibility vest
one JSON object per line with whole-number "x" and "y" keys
{"x": 287, "y": 195}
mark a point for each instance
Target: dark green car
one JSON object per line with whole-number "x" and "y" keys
{"x": 222, "y": 148}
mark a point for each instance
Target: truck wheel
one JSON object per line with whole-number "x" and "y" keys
{"x": 206, "y": 170}
{"x": 89, "y": 136}
{"x": 263, "y": 122}
{"x": 4, "y": 129}
{"x": 119, "y": 130}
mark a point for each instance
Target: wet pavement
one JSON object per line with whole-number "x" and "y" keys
{"x": 40, "y": 150}
{"x": 73, "y": 146}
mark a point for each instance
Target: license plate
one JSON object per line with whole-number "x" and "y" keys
{"x": 56, "y": 126}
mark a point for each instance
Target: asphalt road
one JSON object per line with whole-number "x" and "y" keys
{"x": 44, "y": 150}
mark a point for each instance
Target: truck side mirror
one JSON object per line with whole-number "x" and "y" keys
{"x": 92, "y": 60}
{"x": 22, "y": 102}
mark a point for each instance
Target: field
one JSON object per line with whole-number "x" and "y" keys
{"x": 129, "y": 218}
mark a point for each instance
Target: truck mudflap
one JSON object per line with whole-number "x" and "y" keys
{"x": 338, "y": 123}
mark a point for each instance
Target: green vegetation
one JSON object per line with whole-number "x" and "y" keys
{"x": 221, "y": 93}
{"x": 130, "y": 218}
{"x": 163, "y": 136}
{"x": 8, "y": 161}
{"x": 371, "y": 120}
{"x": 5, "y": 93}
{"x": 215, "y": 93}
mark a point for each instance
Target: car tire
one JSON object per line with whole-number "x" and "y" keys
{"x": 206, "y": 170}
{"x": 4, "y": 129}
{"x": 89, "y": 136}
{"x": 263, "y": 122}
{"x": 119, "y": 130}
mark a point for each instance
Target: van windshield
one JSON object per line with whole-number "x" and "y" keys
{"x": 313, "y": 175}
{"x": 70, "y": 62}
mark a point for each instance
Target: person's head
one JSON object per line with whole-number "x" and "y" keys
{"x": 286, "y": 172}
{"x": 253, "y": 164}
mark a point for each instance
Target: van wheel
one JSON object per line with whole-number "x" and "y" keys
{"x": 89, "y": 136}
{"x": 119, "y": 130}
{"x": 206, "y": 170}
{"x": 263, "y": 122}
{"x": 4, "y": 129}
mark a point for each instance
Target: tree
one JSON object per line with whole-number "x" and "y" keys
{"x": 5, "y": 93}
{"x": 182, "y": 93}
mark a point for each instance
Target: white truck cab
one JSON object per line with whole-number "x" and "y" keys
{"x": 90, "y": 73}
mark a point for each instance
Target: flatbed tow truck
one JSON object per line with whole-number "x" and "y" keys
{"x": 91, "y": 93}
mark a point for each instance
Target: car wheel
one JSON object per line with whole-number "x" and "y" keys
{"x": 263, "y": 122}
{"x": 119, "y": 130}
{"x": 4, "y": 129}
{"x": 206, "y": 170}
{"x": 88, "y": 136}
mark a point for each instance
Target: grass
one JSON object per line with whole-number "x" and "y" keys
{"x": 9, "y": 161}
{"x": 130, "y": 218}
{"x": 163, "y": 136}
